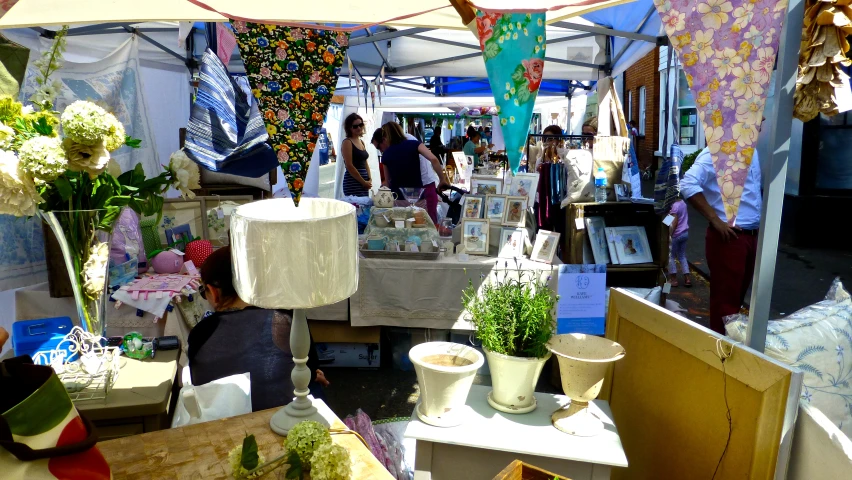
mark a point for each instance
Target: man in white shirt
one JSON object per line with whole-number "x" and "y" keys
{"x": 731, "y": 249}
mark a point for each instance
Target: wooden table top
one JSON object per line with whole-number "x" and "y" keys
{"x": 201, "y": 451}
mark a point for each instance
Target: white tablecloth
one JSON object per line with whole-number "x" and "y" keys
{"x": 425, "y": 294}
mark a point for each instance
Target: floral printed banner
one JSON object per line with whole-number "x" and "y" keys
{"x": 513, "y": 47}
{"x": 293, "y": 73}
{"x": 728, "y": 49}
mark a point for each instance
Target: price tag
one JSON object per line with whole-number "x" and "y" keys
{"x": 399, "y": 223}
{"x": 176, "y": 251}
{"x": 434, "y": 243}
{"x": 220, "y": 213}
{"x": 668, "y": 220}
{"x": 667, "y": 287}
{"x": 463, "y": 257}
{"x": 578, "y": 222}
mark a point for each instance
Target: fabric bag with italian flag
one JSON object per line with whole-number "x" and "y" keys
{"x": 42, "y": 436}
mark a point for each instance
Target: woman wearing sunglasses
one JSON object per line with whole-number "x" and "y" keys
{"x": 356, "y": 179}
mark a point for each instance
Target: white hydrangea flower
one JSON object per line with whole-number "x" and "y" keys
{"x": 305, "y": 438}
{"x": 18, "y": 195}
{"x": 7, "y": 134}
{"x": 43, "y": 158}
{"x": 94, "y": 271}
{"x": 331, "y": 462}
{"x": 92, "y": 159}
{"x": 235, "y": 457}
{"x": 115, "y": 138}
{"x": 186, "y": 173}
{"x": 27, "y": 109}
{"x": 85, "y": 123}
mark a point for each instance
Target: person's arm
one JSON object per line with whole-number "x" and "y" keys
{"x": 692, "y": 188}
{"x": 386, "y": 181}
{"x": 700, "y": 203}
{"x": 483, "y": 148}
{"x": 346, "y": 148}
{"x": 436, "y": 165}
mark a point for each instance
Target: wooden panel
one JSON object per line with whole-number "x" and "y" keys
{"x": 669, "y": 395}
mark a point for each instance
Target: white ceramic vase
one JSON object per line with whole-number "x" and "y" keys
{"x": 444, "y": 385}
{"x": 513, "y": 381}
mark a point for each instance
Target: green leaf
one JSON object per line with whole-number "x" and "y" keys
{"x": 491, "y": 50}
{"x": 42, "y": 127}
{"x": 64, "y": 187}
{"x": 518, "y": 74}
{"x": 249, "y": 458}
{"x": 132, "y": 142}
{"x": 295, "y": 470}
{"x": 523, "y": 93}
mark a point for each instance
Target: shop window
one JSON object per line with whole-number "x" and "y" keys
{"x": 641, "y": 111}
{"x": 630, "y": 105}
{"x": 687, "y": 113}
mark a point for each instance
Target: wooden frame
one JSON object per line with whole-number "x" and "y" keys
{"x": 669, "y": 393}
{"x": 211, "y": 202}
{"x": 484, "y": 232}
{"x": 542, "y": 250}
{"x": 496, "y": 217}
{"x": 508, "y": 219}
{"x": 526, "y": 189}
{"x": 516, "y": 234}
{"x": 486, "y": 181}
{"x": 472, "y": 201}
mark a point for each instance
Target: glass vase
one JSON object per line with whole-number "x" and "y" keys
{"x": 85, "y": 250}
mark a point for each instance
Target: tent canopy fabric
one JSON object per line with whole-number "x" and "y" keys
{"x": 639, "y": 17}
{"x": 423, "y": 13}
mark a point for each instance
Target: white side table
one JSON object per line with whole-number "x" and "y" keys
{"x": 489, "y": 440}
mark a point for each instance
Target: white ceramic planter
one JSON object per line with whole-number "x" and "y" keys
{"x": 444, "y": 388}
{"x": 513, "y": 381}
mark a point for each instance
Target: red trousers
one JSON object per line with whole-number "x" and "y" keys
{"x": 731, "y": 270}
{"x": 430, "y": 194}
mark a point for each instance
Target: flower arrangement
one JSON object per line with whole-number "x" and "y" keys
{"x": 70, "y": 181}
{"x": 513, "y": 314}
{"x": 308, "y": 452}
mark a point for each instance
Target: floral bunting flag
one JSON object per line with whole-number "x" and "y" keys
{"x": 513, "y": 47}
{"x": 727, "y": 49}
{"x": 293, "y": 73}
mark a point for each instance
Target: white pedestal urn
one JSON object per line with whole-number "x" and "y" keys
{"x": 445, "y": 372}
{"x": 583, "y": 362}
{"x": 513, "y": 381}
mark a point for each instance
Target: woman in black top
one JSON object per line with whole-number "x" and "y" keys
{"x": 240, "y": 338}
{"x": 357, "y": 179}
{"x": 401, "y": 161}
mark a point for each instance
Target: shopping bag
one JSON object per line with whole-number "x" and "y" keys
{"x": 612, "y": 142}
{"x": 226, "y": 397}
{"x": 580, "y": 186}
{"x": 42, "y": 436}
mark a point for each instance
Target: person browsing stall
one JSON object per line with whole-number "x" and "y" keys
{"x": 731, "y": 249}
{"x": 239, "y": 338}
{"x": 472, "y": 147}
{"x": 357, "y": 180}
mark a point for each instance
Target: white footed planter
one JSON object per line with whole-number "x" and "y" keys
{"x": 445, "y": 373}
{"x": 513, "y": 380}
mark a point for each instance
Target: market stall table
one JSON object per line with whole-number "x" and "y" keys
{"x": 201, "y": 450}
{"x": 425, "y": 294}
{"x": 489, "y": 440}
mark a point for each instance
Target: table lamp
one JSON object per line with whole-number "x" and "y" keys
{"x": 295, "y": 257}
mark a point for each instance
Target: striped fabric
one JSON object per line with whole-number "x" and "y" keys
{"x": 667, "y": 187}
{"x": 226, "y": 133}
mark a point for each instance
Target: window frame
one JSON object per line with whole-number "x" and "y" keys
{"x": 643, "y": 99}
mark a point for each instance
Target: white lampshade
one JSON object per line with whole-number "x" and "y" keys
{"x": 291, "y": 257}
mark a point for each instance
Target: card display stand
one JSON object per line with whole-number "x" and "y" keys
{"x": 620, "y": 214}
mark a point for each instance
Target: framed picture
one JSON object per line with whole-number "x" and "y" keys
{"x": 523, "y": 185}
{"x": 631, "y": 244}
{"x": 178, "y": 212}
{"x": 475, "y": 236}
{"x": 462, "y": 168}
{"x": 218, "y": 210}
{"x": 545, "y": 245}
{"x": 515, "y": 214}
{"x": 595, "y": 227}
{"x": 610, "y": 243}
{"x": 472, "y": 206}
{"x": 622, "y": 192}
{"x": 495, "y": 205}
{"x": 481, "y": 185}
{"x": 511, "y": 244}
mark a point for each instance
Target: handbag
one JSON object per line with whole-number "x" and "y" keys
{"x": 42, "y": 436}
{"x": 226, "y": 133}
{"x": 610, "y": 152}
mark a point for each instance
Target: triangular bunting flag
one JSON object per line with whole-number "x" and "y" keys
{"x": 513, "y": 47}
{"x": 293, "y": 73}
{"x": 727, "y": 49}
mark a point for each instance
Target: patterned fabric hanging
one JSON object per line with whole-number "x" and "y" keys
{"x": 513, "y": 47}
{"x": 293, "y": 73}
{"x": 727, "y": 49}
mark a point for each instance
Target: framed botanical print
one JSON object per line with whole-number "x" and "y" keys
{"x": 511, "y": 243}
{"x": 544, "y": 248}
{"x": 475, "y": 236}
{"x": 482, "y": 185}
{"x": 515, "y": 214}
{"x": 473, "y": 206}
{"x": 523, "y": 185}
{"x": 495, "y": 205}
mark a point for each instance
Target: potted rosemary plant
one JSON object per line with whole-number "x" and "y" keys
{"x": 512, "y": 314}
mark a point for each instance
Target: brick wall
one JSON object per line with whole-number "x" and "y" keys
{"x": 644, "y": 73}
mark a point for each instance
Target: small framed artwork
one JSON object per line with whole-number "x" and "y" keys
{"x": 523, "y": 185}
{"x": 511, "y": 244}
{"x": 495, "y": 206}
{"x": 475, "y": 236}
{"x": 596, "y": 228}
{"x": 622, "y": 192}
{"x": 544, "y": 248}
{"x": 631, "y": 244}
{"x": 481, "y": 185}
{"x": 515, "y": 214}
{"x": 178, "y": 212}
{"x": 472, "y": 206}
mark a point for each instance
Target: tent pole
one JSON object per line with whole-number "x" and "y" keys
{"x": 775, "y": 176}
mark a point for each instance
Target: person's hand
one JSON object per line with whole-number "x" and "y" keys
{"x": 367, "y": 184}
{"x": 727, "y": 232}
{"x": 443, "y": 185}
{"x": 321, "y": 378}
{"x": 490, "y": 146}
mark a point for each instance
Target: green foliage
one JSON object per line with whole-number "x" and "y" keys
{"x": 688, "y": 160}
{"x": 513, "y": 314}
{"x": 295, "y": 470}
{"x": 250, "y": 458}
{"x": 132, "y": 142}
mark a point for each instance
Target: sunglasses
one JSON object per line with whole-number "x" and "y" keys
{"x": 358, "y": 125}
